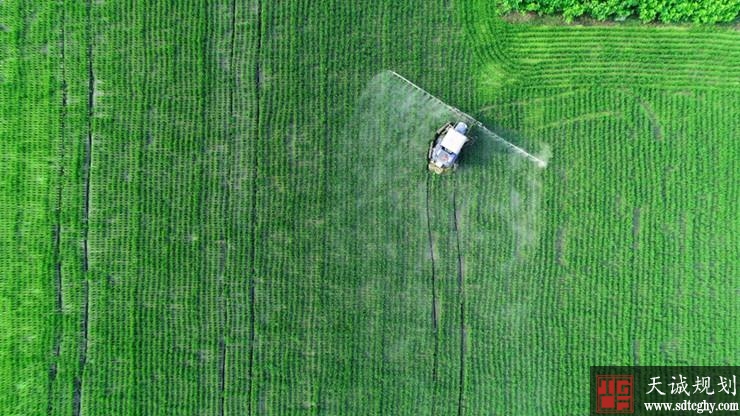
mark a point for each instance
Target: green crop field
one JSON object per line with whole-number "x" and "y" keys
{"x": 223, "y": 208}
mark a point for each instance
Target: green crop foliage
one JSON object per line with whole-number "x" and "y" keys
{"x": 221, "y": 208}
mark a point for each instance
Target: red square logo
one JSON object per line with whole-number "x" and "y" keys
{"x": 615, "y": 394}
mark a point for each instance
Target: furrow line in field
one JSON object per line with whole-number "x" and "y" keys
{"x": 205, "y": 173}
{"x": 232, "y": 42}
{"x": 222, "y": 374}
{"x": 89, "y": 142}
{"x": 564, "y": 62}
{"x": 544, "y": 44}
{"x": 435, "y": 323}
{"x": 563, "y": 83}
{"x": 225, "y": 321}
{"x": 77, "y": 385}
{"x": 381, "y": 400}
{"x": 253, "y": 213}
{"x": 227, "y": 204}
{"x": 232, "y": 60}
{"x": 461, "y": 291}
{"x": 56, "y": 243}
{"x": 325, "y": 181}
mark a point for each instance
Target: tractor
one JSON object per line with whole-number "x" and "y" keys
{"x": 444, "y": 150}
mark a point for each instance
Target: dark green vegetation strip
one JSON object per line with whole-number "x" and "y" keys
{"x": 200, "y": 215}
{"x": 665, "y": 11}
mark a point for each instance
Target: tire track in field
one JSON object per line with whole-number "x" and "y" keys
{"x": 77, "y": 385}
{"x": 57, "y": 238}
{"x": 461, "y": 296}
{"x": 461, "y": 291}
{"x": 435, "y": 315}
{"x": 253, "y": 213}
